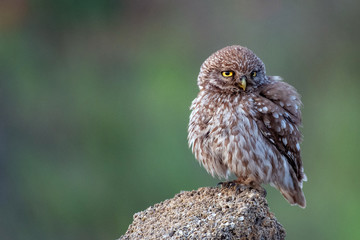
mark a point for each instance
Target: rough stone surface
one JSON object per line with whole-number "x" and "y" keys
{"x": 208, "y": 213}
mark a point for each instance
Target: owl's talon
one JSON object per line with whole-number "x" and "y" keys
{"x": 260, "y": 189}
{"x": 228, "y": 184}
{"x": 240, "y": 188}
{"x": 264, "y": 192}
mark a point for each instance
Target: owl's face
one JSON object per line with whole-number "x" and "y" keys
{"x": 232, "y": 69}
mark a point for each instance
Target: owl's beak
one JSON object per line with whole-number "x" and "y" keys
{"x": 242, "y": 83}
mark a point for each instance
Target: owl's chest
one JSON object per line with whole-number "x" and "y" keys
{"x": 233, "y": 133}
{"x": 231, "y": 120}
{"x": 217, "y": 121}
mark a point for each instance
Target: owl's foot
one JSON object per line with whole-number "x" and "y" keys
{"x": 227, "y": 184}
{"x": 241, "y": 186}
{"x": 253, "y": 185}
{"x": 260, "y": 189}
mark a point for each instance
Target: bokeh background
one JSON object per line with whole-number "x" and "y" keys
{"x": 94, "y": 107}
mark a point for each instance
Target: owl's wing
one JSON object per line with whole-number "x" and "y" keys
{"x": 279, "y": 117}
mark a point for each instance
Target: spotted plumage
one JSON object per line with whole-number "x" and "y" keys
{"x": 246, "y": 123}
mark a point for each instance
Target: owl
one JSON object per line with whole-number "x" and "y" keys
{"x": 246, "y": 123}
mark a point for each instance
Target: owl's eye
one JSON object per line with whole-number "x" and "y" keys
{"x": 253, "y": 74}
{"x": 227, "y": 73}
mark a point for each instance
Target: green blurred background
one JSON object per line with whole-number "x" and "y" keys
{"x": 94, "y": 106}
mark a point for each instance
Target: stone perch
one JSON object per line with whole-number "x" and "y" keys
{"x": 208, "y": 213}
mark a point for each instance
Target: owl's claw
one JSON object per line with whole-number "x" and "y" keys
{"x": 264, "y": 192}
{"x": 239, "y": 187}
{"x": 228, "y": 184}
{"x": 260, "y": 189}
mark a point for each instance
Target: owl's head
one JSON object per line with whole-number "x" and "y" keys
{"x": 232, "y": 69}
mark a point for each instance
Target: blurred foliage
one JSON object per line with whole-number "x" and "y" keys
{"x": 94, "y": 99}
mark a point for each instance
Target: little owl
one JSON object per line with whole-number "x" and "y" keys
{"x": 246, "y": 123}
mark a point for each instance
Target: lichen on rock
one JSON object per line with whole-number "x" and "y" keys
{"x": 208, "y": 213}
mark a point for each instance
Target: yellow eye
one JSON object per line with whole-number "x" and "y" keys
{"x": 253, "y": 74}
{"x": 227, "y": 73}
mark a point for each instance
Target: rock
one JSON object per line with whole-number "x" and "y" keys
{"x": 208, "y": 213}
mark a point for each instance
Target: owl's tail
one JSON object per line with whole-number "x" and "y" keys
{"x": 294, "y": 195}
